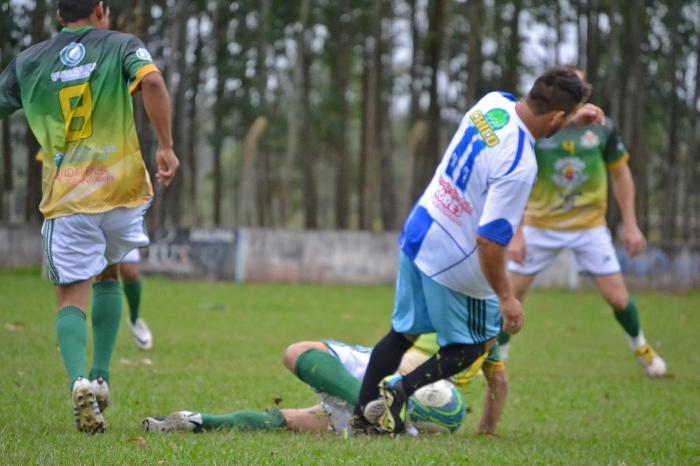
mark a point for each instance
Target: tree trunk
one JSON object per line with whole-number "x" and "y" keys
{"x": 340, "y": 76}
{"x": 31, "y": 211}
{"x": 249, "y": 180}
{"x": 364, "y": 138}
{"x": 220, "y": 28}
{"x": 633, "y": 124}
{"x": 382, "y": 61}
{"x": 171, "y": 215}
{"x": 671, "y": 173}
{"x": 475, "y": 13}
{"x": 306, "y": 149}
{"x": 592, "y": 36}
{"x": 8, "y": 179}
{"x": 431, "y": 156}
{"x": 192, "y": 130}
{"x": 263, "y": 195}
{"x": 690, "y": 215}
{"x": 511, "y": 73}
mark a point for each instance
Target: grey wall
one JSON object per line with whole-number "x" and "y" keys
{"x": 346, "y": 257}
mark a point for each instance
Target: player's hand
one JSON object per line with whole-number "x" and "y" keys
{"x": 517, "y": 250}
{"x": 633, "y": 239}
{"x": 167, "y": 165}
{"x": 513, "y": 316}
{"x": 587, "y": 115}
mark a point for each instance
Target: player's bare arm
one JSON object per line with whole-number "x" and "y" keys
{"x": 517, "y": 249}
{"x": 156, "y": 101}
{"x": 492, "y": 258}
{"x": 623, "y": 187}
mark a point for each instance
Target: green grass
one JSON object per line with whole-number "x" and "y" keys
{"x": 577, "y": 396}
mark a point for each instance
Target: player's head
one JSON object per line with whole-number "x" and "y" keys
{"x": 94, "y": 12}
{"x": 579, "y": 72}
{"x": 555, "y": 97}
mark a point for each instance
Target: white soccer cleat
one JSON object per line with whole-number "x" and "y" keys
{"x": 654, "y": 366}
{"x": 88, "y": 417}
{"x": 101, "y": 389}
{"x": 181, "y": 421}
{"x": 142, "y": 335}
{"x": 374, "y": 410}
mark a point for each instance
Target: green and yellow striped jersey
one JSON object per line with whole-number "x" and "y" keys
{"x": 571, "y": 190}
{"x": 75, "y": 90}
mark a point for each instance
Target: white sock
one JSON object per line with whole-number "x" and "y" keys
{"x": 637, "y": 342}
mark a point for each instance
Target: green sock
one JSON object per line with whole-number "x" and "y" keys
{"x": 325, "y": 373}
{"x": 245, "y": 421}
{"x": 71, "y": 333}
{"x": 132, "y": 290}
{"x": 628, "y": 318}
{"x": 503, "y": 338}
{"x": 106, "y": 317}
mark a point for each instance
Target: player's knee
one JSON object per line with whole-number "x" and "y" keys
{"x": 292, "y": 353}
{"x": 618, "y": 301}
{"x": 129, "y": 273}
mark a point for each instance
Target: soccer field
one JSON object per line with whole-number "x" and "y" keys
{"x": 576, "y": 394}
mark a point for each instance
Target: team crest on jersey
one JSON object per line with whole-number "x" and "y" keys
{"x": 487, "y": 125}
{"x": 143, "y": 54}
{"x": 569, "y": 173}
{"x": 72, "y": 54}
{"x": 589, "y": 139}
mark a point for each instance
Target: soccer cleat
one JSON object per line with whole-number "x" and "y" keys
{"x": 359, "y": 426}
{"x": 142, "y": 335}
{"x": 88, "y": 417}
{"x": 181, "y": 421}
{"x": 652, "y": 362}
{"x": 395, "y": 400}
{"x": 101, "y": 389}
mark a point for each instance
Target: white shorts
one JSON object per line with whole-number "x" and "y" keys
{"x": 79, "y": 247}
{"x": 593, "y": 248}
{"x": 132, "y": 257}
{"x": 353, "y": 358}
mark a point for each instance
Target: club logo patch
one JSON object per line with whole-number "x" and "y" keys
{"x": 589, "y": 139}
{"x": 569, "y": 173}
{"x": 143, "y": 54}
{"x": 72, "y": 54}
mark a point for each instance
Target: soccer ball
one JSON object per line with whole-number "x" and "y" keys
{"x": 437, "y": 408}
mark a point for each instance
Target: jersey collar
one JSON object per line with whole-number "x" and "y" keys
{"x": 77, "y": 31}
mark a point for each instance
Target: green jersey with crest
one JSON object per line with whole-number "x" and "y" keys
{"x": 75, "y": 90}
{"x": 571, "y": 190}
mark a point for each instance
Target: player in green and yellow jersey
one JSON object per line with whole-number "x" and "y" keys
{"x": 567, "y": 209}
{"x": 75, "y": 90}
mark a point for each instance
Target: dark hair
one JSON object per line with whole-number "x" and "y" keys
{"x": 75, "y": 10}
{"x": 557, "y": 89}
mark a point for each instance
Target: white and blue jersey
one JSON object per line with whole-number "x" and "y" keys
{"x": 480, "y": 188}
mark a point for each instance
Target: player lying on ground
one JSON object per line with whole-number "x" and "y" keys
{"x": 334, "y": 370}
{"x": 451, "y": 276}
{"x": 567, "y": 210}
{"x": 75, "y": 90}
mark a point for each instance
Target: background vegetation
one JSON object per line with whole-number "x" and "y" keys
{"x": 333, "y": 113}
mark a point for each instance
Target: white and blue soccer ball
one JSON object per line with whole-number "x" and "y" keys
{"x": 437, "y": 408}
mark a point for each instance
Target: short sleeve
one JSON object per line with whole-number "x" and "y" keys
{"x": 137, "y": 63}
{"x": 614, "y": 153}
{"x": 10, "y": 97}
{"x": 508, "y": 193}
